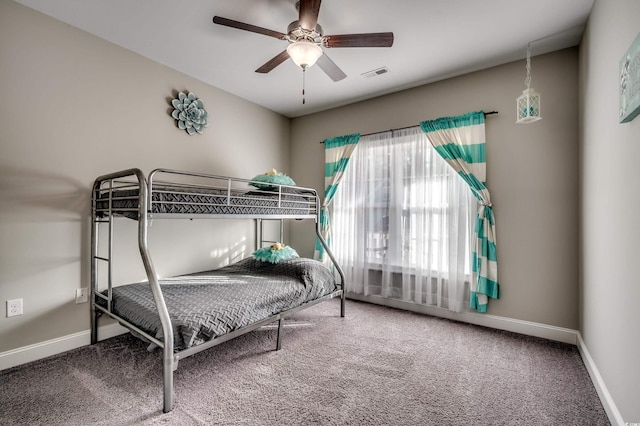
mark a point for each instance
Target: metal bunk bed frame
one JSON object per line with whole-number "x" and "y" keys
{"x": 106, "y": 184}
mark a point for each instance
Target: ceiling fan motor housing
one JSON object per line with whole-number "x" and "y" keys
{"x": 297, "y": 33}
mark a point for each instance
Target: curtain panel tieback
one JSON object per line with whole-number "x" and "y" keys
{"x": 461, "y": 142}
{"x": 337, "y": 152}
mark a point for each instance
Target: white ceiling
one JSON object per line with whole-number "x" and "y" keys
{"x": 434, "y": 40}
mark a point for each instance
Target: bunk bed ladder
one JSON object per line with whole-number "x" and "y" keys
{"x": 96, "y": 258}
{"x": 261, "y": 240}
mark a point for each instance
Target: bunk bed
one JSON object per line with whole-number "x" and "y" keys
{"x": 186, "y": 314}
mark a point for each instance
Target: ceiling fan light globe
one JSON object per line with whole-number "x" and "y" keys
{"x": 304, "y": 53}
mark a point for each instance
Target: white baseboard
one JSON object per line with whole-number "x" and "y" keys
{"x": 605, "y": 397}
{"x": 56, "y": 346}
{"x": 528, "y": 328}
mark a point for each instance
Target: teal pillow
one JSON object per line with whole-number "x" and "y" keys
{"x": 272, "y": 255}
{"x": 264, "y": 180}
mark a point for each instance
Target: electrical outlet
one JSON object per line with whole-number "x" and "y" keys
{"x": 82, "y": 295}
{"x": 14, "y": 307}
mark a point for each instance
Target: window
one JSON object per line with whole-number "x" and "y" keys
{"x": 403, "y": 212}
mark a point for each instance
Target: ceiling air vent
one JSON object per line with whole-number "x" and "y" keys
{"x": 376, "y": 72}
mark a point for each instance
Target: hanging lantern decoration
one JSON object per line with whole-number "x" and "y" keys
{"x": 528, "y": 104}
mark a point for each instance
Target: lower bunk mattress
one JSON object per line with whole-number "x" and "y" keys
{"x": 209, "y": 304}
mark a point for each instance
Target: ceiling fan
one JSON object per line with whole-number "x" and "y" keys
{"x": 306, "y": 39}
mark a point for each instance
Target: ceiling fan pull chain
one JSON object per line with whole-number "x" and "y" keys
{"x": 303, "y": 83}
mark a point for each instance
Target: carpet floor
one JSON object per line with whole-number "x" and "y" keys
{"x": 376, "y": 366}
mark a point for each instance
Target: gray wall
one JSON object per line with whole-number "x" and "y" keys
{"x": 76, "y": 107}
{"x": 532, "y": 172}
{"x": 610, "y": 204}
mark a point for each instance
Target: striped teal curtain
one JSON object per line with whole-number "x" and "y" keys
{"x": 461, "y": 142}
{"x": 337, "y": 152}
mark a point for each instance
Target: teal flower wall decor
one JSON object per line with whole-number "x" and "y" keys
{"x": 190, "y": 113}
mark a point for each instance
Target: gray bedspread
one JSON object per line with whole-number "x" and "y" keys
{"x": 208, "y": 304}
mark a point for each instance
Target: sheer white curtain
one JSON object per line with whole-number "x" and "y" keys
{"x": 402, "y": 222}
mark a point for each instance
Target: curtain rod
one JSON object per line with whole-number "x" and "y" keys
{"x": 409, "y": 127}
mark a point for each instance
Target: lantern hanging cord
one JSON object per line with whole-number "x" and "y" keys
{"x": 527, "y": 80}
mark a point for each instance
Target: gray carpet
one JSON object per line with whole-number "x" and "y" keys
{"x": 377, "y": 366}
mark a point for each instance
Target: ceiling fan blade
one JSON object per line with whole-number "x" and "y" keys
{"x": 247, "y": 27}
{"x": 330, "y": 68}
{"x": 359, "y": 40}
{"x": 273, "y": 62}
{"x": 309, "y": 10}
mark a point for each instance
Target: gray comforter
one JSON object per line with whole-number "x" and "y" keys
{"x": 208, "y": 304}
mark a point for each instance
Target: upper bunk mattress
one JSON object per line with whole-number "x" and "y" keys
{"x": 209, "y": 304}
{"x": 182, "y": 200}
